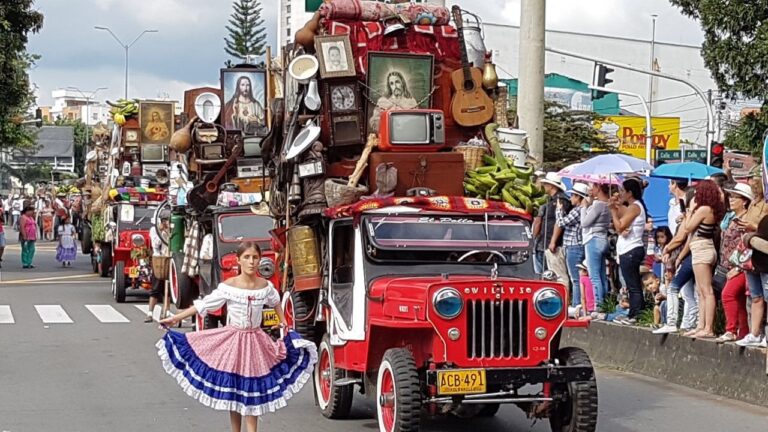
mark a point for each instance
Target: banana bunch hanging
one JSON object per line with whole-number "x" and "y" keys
{"x": 122, "y": 109}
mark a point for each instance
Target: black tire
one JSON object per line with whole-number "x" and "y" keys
{"x": 106, "y": 259}
{"x": 489, "y": 410}
{"x": 339, "y": 399}
{"x": 186, "y": 290}
{"x": 407, "y": 391}
{"x": 303, "y": 315}
{"x": 119, "y": 281}
{"x": 578, "y": 413}
{"x": 86, "y": 242}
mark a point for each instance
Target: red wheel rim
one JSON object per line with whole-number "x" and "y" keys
{"x": 288, "y": 312}
{"x": 325, "y": 375}
{"x": 387, "y": 400}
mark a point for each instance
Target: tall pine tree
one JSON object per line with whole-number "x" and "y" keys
{"x": 246, "y": 30}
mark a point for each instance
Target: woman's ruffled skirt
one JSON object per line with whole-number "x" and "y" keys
{"x": 66, "y": 254}
{"x": 241, "y": 370}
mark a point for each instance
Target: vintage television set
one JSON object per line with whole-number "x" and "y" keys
{"x": 252, "y": 146}
{"x": 154, "y": 153}
{"x": 415, "y": 130}
{"x": 215, "y": 151}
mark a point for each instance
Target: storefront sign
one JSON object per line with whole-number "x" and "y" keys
{"x": 627, "y": 133}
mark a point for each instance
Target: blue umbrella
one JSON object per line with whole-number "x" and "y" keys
{"x": 609, "y": 164}
{"x": 686, "y": 171}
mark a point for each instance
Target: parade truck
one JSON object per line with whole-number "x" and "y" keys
{"x": 125, "y": 251}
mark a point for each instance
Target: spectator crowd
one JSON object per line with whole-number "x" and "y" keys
{"x": 712, "y": 254}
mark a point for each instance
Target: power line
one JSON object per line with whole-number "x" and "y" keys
{"x": 660, "y": 100}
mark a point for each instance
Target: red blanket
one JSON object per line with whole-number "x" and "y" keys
{"x": 435, "y": 203}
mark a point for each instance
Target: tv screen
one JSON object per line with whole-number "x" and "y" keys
{"x": 152, "y": 152}
{"x": 409, "y": 129}
{"x": 252, "y": 147}
{"x": 215, "y": 151}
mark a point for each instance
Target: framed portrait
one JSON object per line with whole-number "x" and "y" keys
{"x": 244, "y": 92}
{"x": 334, "y": 54}
{"x": 397, "y": 81}
{"x": 156, "y": 122}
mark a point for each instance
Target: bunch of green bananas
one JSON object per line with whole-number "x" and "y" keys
{"x": 505, "y": 183}
{"x": 124, "y": 107}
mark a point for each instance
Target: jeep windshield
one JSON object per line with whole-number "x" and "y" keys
{"x": 134, "y": 218}
{"x": 421, "y": 238}
{"x": 235, "y": 228}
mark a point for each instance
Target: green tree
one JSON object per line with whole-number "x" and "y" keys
{"x": 569, "y": 136}
{"x": 17, "y": 21}
{"x": 30, "y": 173}
{"x": 247, "y": 35}
{"x": 748, "y": 134}
{"x": 81, "y": 141}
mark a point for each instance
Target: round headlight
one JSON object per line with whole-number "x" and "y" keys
{"x": 137, "y": 240}
{"x": 266, "y": 268}
{"x": 447, "y": 303}
{"x": 548, "y": 303}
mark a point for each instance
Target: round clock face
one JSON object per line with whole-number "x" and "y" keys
{"x": 131, "y": 135}
{"x": 343, "y": 98}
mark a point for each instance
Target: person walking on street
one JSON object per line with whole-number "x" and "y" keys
{"x": 2, "y": 236}
{"x": 28, "y": 236}
{"x": 222, "y": 367}
{"x": 159, "y": 242}
{"x": 66, "y": 251}
{"x": 17, "y": 205}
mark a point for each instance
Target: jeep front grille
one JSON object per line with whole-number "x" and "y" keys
{"x": 497, "y": 328}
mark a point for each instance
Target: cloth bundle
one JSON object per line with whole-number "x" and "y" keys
{"x": 359, "y": 10}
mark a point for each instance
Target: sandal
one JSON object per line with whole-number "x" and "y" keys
{"x": 692, "y": 332}
{"x": 726, "y": 337}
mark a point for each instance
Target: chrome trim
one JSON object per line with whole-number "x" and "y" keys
{"x": 507, "y": 336}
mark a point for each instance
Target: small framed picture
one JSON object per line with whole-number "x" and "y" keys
{"x": 397, "y": 81}
{"x": 245, "y": 100}
{"x": 335, "y": 56}
{"x": 156, "y": 121}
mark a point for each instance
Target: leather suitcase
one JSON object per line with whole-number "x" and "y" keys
{"x": 250, "y": 184}
{"x": 443, "y": 172}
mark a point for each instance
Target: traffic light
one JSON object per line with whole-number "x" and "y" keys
{"x": 600, "y": 79}
{"x": 716, "y": 154}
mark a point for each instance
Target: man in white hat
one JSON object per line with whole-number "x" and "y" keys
{"x": 17, "y": 205}
{"x": 549, "y": 237}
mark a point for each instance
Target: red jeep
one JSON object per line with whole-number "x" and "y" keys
{"x": 225, "y": 228}
{"x": 439, "y": 312}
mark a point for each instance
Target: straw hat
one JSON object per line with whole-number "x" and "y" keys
{"x": 554, "y": 180}
{"x": 742, "y": 190}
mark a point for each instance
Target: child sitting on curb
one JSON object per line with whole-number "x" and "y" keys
{"x": 583, "y": 311}
{"x": 655, "y": 290}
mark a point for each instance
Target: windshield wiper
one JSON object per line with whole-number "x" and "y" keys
{"x": 138, "y": 222}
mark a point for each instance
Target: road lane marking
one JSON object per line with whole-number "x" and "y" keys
{"x": 53, "y": 314}
{"x": 155, "y": 313}
{"x": 54, "y": 278}
{"x": 107, "y": 314}
{"x": 6, "y": 316}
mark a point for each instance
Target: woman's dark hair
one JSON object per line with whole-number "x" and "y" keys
{"x": 708, "y": 194}
{"x": 634, "y": 186}
{"x": 28, "y": 208}
{"x": 244, "y": 246}
{"x": 605, "y": 188}
{"x": 662, "y": 229}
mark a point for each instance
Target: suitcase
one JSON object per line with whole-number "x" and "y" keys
{"x": 443, "y": 172}
{"x": 251, "y": 184}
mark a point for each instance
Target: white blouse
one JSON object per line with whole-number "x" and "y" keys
{"x": 242, "y": 304}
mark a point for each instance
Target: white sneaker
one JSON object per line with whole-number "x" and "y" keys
{"x": 764, "y": 343}
{"x": 668, "y": 328}
{"x": 750, "y": 340}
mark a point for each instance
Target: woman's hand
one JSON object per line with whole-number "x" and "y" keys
{"x": 280, "y": 325}
{"x": 170, "y": 321}
{"x": 732, "y": 273}
{"x": 747, "y": 226}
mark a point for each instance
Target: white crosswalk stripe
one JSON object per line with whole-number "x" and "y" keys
{"x": 53, "y": 314}
{"x": 107, "y": 314}
{"x": 6, "y": 316}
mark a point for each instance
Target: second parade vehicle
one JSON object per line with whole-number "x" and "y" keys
{"x": 432, "y": 311}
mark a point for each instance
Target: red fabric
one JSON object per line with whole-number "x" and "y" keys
{"x": 375, "y": 11}
{"x": 436, "y": 203}
{"x": 735, "y": 305}
{"x": 365, "y": 36}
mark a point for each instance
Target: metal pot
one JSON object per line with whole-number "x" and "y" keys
{"x": 473, "y": 38}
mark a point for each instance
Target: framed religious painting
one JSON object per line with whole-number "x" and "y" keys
{"x": 334, "y": 53}
{"x": 156, "y": 120}
{"x": 397, "y": 81}
{"x": 244, "y": 93}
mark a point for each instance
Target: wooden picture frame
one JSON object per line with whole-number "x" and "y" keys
{"x": 156, "y": 121}
{"x": 244, "y": 96}
{"x": 334, "y": 53}
{"x": 412, "y": 77}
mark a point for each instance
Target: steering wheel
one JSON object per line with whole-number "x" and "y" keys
{"x": 490, "y": 253}
{"x": 156, "y": 219}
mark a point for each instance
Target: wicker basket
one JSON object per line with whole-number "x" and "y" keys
{"x": 473, "y": 156}
{"x": 339, "y": 193}
{"x": 160, "y": 267}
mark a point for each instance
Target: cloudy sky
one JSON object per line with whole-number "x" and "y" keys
{"x": 188, "y": 49}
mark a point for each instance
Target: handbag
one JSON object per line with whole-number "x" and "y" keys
{"x": 742, "y": 257}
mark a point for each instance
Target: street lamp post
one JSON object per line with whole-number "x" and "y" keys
{"x": 126, "y": 47}
{"x": 654, "y": 17}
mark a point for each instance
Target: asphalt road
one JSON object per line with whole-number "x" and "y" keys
{"x": 91, "y": 374}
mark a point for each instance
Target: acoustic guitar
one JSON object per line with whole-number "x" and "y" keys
{"x": 206, "y": 193}
{"x": 470, "y": 105}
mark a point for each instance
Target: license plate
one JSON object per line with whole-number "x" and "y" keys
{"x": 463, "y": 381}
{"x": 133, "y": 272}
{"x": 269, "y": 318}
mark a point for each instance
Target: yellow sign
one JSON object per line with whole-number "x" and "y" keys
{"x": 627, "y": 133}
{"x": 462, "y": 381}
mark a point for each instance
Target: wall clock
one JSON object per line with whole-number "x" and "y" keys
{"x": 343, "y": 112}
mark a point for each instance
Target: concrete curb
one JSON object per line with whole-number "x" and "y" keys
{"x": 723, "y": 369}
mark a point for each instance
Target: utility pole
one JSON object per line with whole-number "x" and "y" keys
{"x": 530, "y": 97}
{"x": 652, "y": 63}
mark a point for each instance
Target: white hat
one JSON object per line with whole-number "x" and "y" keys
{"x": 555, "y": 180}
{"x": 580, "y": 189}
{"x": 743, "y": 190}
{"x": 539, "y": 173}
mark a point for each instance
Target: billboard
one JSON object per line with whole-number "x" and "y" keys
{"x": 627, "y": 133}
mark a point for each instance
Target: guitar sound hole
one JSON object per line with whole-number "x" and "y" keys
{"x": 469, "y": 85}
